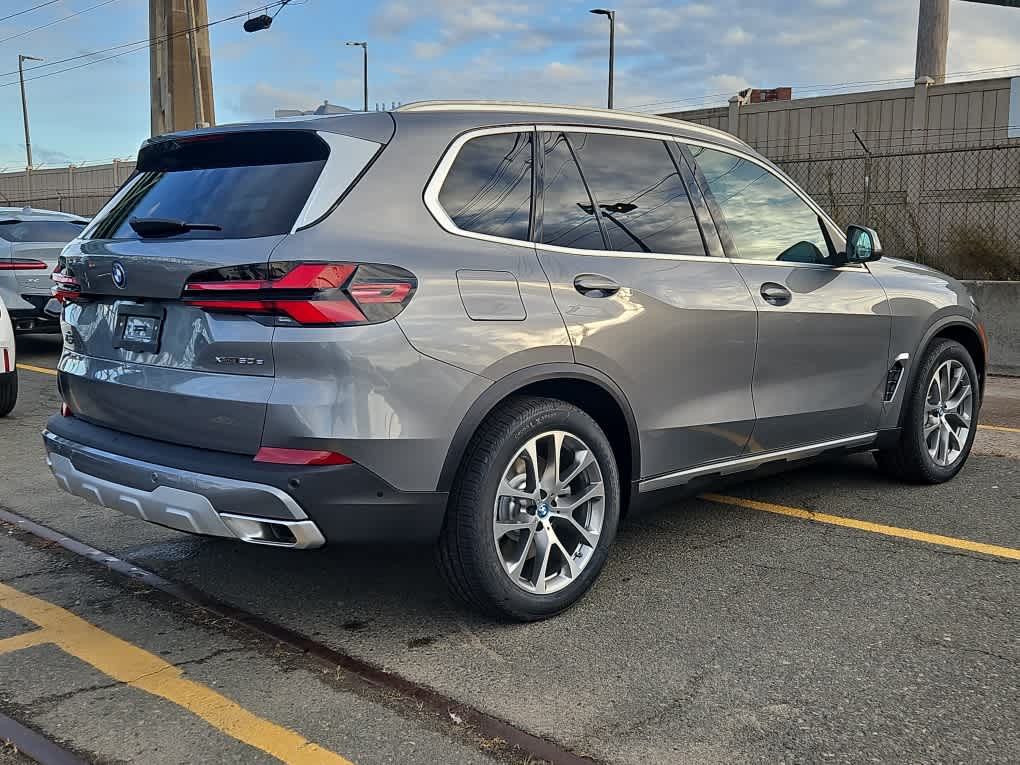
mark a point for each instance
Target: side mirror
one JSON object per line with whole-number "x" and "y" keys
{"x": 862, "y": 244}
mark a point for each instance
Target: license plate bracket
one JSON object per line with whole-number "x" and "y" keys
{"x": 139, "y": 327}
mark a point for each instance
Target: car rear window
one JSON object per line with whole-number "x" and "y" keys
{"x": 48, "y": 231}
{"x": 249, "y": 184}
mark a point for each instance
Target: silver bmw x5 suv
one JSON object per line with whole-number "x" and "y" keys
{"x": 498, "y": 327}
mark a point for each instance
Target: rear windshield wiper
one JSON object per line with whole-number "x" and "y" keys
{"x": 158, "y": 227}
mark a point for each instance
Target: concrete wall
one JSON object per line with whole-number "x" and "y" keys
{"x": 78, "y": 190}
{"x": 1000, "y": 309}
{"x": 971, "y": 113}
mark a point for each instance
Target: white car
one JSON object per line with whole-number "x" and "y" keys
{"x": 8, "y": 370}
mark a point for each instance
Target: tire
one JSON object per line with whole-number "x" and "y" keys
{"x": 8, "y": 392}
{"x": 477, "y": 563}
{"x": 910, "y": 459}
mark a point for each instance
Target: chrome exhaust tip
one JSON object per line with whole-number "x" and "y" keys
{"x": 297, "y": 535}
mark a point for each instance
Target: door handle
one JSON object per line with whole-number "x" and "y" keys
{"x": 594, "y": 285}
{"x": 775, "y": 294}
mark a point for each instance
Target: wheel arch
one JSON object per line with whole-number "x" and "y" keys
{"x": 957, "y": 328}
{"x": 584, "y": 387}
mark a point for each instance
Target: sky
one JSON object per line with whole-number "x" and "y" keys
{"x": 670, "y": 56}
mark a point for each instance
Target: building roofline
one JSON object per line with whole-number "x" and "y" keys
{"x": 557, "y": 110}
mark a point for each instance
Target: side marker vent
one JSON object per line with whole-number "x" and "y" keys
{"x": 894, "y": 375}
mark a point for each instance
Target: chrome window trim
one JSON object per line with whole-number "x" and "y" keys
{"x": 749, "y": 462}
{"x": 776, "y": 172}
{"x": 432, "y": 188}
{"x": 435, "y": 185}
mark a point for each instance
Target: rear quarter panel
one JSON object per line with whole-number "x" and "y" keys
{"x": 384, "y": 220}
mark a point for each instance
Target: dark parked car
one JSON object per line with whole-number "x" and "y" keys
{"x": 497, "y": 327}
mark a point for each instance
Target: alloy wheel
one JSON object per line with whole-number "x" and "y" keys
{"x": 948, "y": 410}
{"x": 549, "y": 512}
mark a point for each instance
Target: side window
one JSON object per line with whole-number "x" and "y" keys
{"x": 569, "y": 218}
{"x": 488, "y": 189}
{"x": 56, "y": 232}
{"x": 765, "y": 218}
{"x": 641, "y": 197}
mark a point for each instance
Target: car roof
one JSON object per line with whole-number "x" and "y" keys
{"x": 35, "y": 213}
{"x": 463, "y": 115}
{"x": 513, "y": 112}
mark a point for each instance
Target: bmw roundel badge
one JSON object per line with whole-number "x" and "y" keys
{"x": 119, "y": 274}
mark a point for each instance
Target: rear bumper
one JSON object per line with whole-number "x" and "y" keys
{"x": 28, "y": 315}
{"x": 229, "y": 495}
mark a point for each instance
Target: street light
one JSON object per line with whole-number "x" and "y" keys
{"x": 612, "y": 44}
{"x": 364, "y": 50}
{"x": 24, "y": 113}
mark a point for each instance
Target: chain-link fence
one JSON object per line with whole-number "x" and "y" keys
{"x": 953, "y": 207}
{"x": 950, "y": 199}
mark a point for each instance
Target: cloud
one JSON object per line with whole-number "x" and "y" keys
{"x": 731, "y": 83}
{"x": 260, "y": 100}
{"x": 559, "y": 71}
{"x": 43, "y": 155}
{"x": 736, "y": 36}
{"x": 428, "y": 50}
{"x": 394, "y": 18}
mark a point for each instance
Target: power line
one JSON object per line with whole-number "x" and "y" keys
{"x": 29, "y": 10}
{"x": 136, "y": 46}
{"x": 58, "y": 21}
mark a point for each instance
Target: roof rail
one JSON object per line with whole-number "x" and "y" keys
{"x": 554, "y": 109}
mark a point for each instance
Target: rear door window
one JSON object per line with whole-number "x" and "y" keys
{"x": 641, "y": 197}
{"x": 38, "y": 231}
{"x": 569, "y": 218}
{"x": 249, "y": 184}
{"x": 488, "y": 188}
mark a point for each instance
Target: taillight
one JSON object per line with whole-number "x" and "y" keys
{"x": 22, "y": 264}
{"x": 66, "y": 286}
{"x": 7, "y": 361}
{"x": 65, "y": 410}
{"x": 280, "y": 456}
{"x": 310, "y": 294}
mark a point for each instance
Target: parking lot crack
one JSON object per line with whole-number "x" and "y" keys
{"x": 958, "y": 648}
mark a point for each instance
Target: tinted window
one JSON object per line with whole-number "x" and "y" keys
{"x": 569, "y": 216}
{"x": 766, "y": 219}
{"x": 249, "y": 184}
{"x": 488, "y": 189}
{"x": 640, "y": 194}
{"x": 57, "y": 232}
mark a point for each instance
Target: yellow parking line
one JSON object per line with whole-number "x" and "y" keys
{"x": 43, "y": 370}
{"x": 877, "y": 528}
{"x": 127, "y": 663}
{"x": 24, "y": 640}
{"x": 1000, "y": 428}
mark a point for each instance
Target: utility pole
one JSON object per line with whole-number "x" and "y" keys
{"x": 932, "y": 40}
{"x": 196, "y": 77}
{"x": 180, "y": 66}
{"x": 24, "y": 114}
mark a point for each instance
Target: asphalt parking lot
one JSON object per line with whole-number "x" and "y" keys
{"x": 822, "y": 615}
